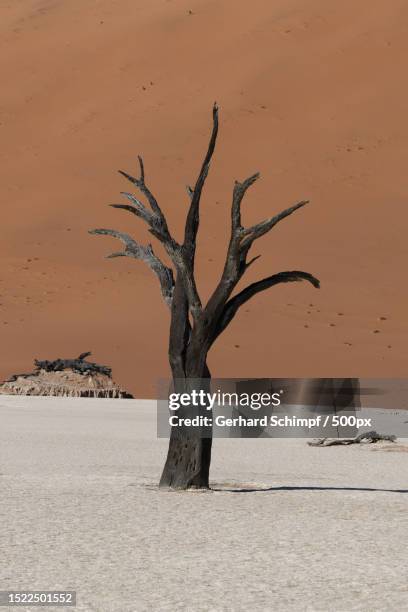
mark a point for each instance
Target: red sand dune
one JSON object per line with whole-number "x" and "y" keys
{"x": 312, "y": 94}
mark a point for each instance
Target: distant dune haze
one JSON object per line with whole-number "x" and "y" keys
{"x": 312, "y": 94}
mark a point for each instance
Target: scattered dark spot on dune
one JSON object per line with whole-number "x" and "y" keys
{"x": 348, "y": 344}
{"x": 376, "y": 331}
{"x": 332, "y": 325}
{"x": 382, "y": 318}
{"x": 237, "y": 345}
{"x": 340, "y": 314}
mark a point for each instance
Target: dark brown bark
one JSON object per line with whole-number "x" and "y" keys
{"x": 194, "y": 327}
{"x": 188, "y": 459}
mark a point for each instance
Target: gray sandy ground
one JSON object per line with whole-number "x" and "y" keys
{"x": 287, "y": 527}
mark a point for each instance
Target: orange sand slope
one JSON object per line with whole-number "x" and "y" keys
{"x": 313, "y": 95}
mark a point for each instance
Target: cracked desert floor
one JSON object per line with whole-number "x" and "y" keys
{"x": 286, "y": 528}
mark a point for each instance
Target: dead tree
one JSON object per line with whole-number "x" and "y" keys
{"x": 194, "y": 326}
{"x": 367, "y": 437}
{"x": 77, "y": 365}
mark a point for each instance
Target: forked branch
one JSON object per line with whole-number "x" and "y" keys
{"x": 155, "y": 220}
{"x": 231, "y": 307}
{"x": 240, "y": 243}
{"x": 258, "y": 230}
{"x": 141, "y": 185}
{"x": 157, "y": 225}
{"x": 239, "y": 192}
{"x": 144, "y": 253}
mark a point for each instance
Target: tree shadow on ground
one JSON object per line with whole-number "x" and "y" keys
{"x": 219, "y": 489}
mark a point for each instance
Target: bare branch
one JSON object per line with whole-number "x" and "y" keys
{"x": 235, "y": 263}
{"x": 137, "y": 209}
{"x": 239, "y": 191}
{"x": 142, "y": 172}
{"x": 116, "y": 254}
{"x": 232, "y": 306}
{"x": 258, "y": 230}
{"x": 251, "y": 261}
{"x": 193, "y": 217}
{"x": 172, "y": 248}
{"x": 141, "y": 185}
{"x": 240, "y": 243}
{"x": 144, "y": 253}
{"x": 158, "y": 228}
{"x": 157, "y": 220}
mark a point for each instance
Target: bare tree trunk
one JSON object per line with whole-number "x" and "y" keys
{"x": 189, "y": 455}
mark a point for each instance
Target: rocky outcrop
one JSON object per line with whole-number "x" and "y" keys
{"x": 65, "y": 378}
